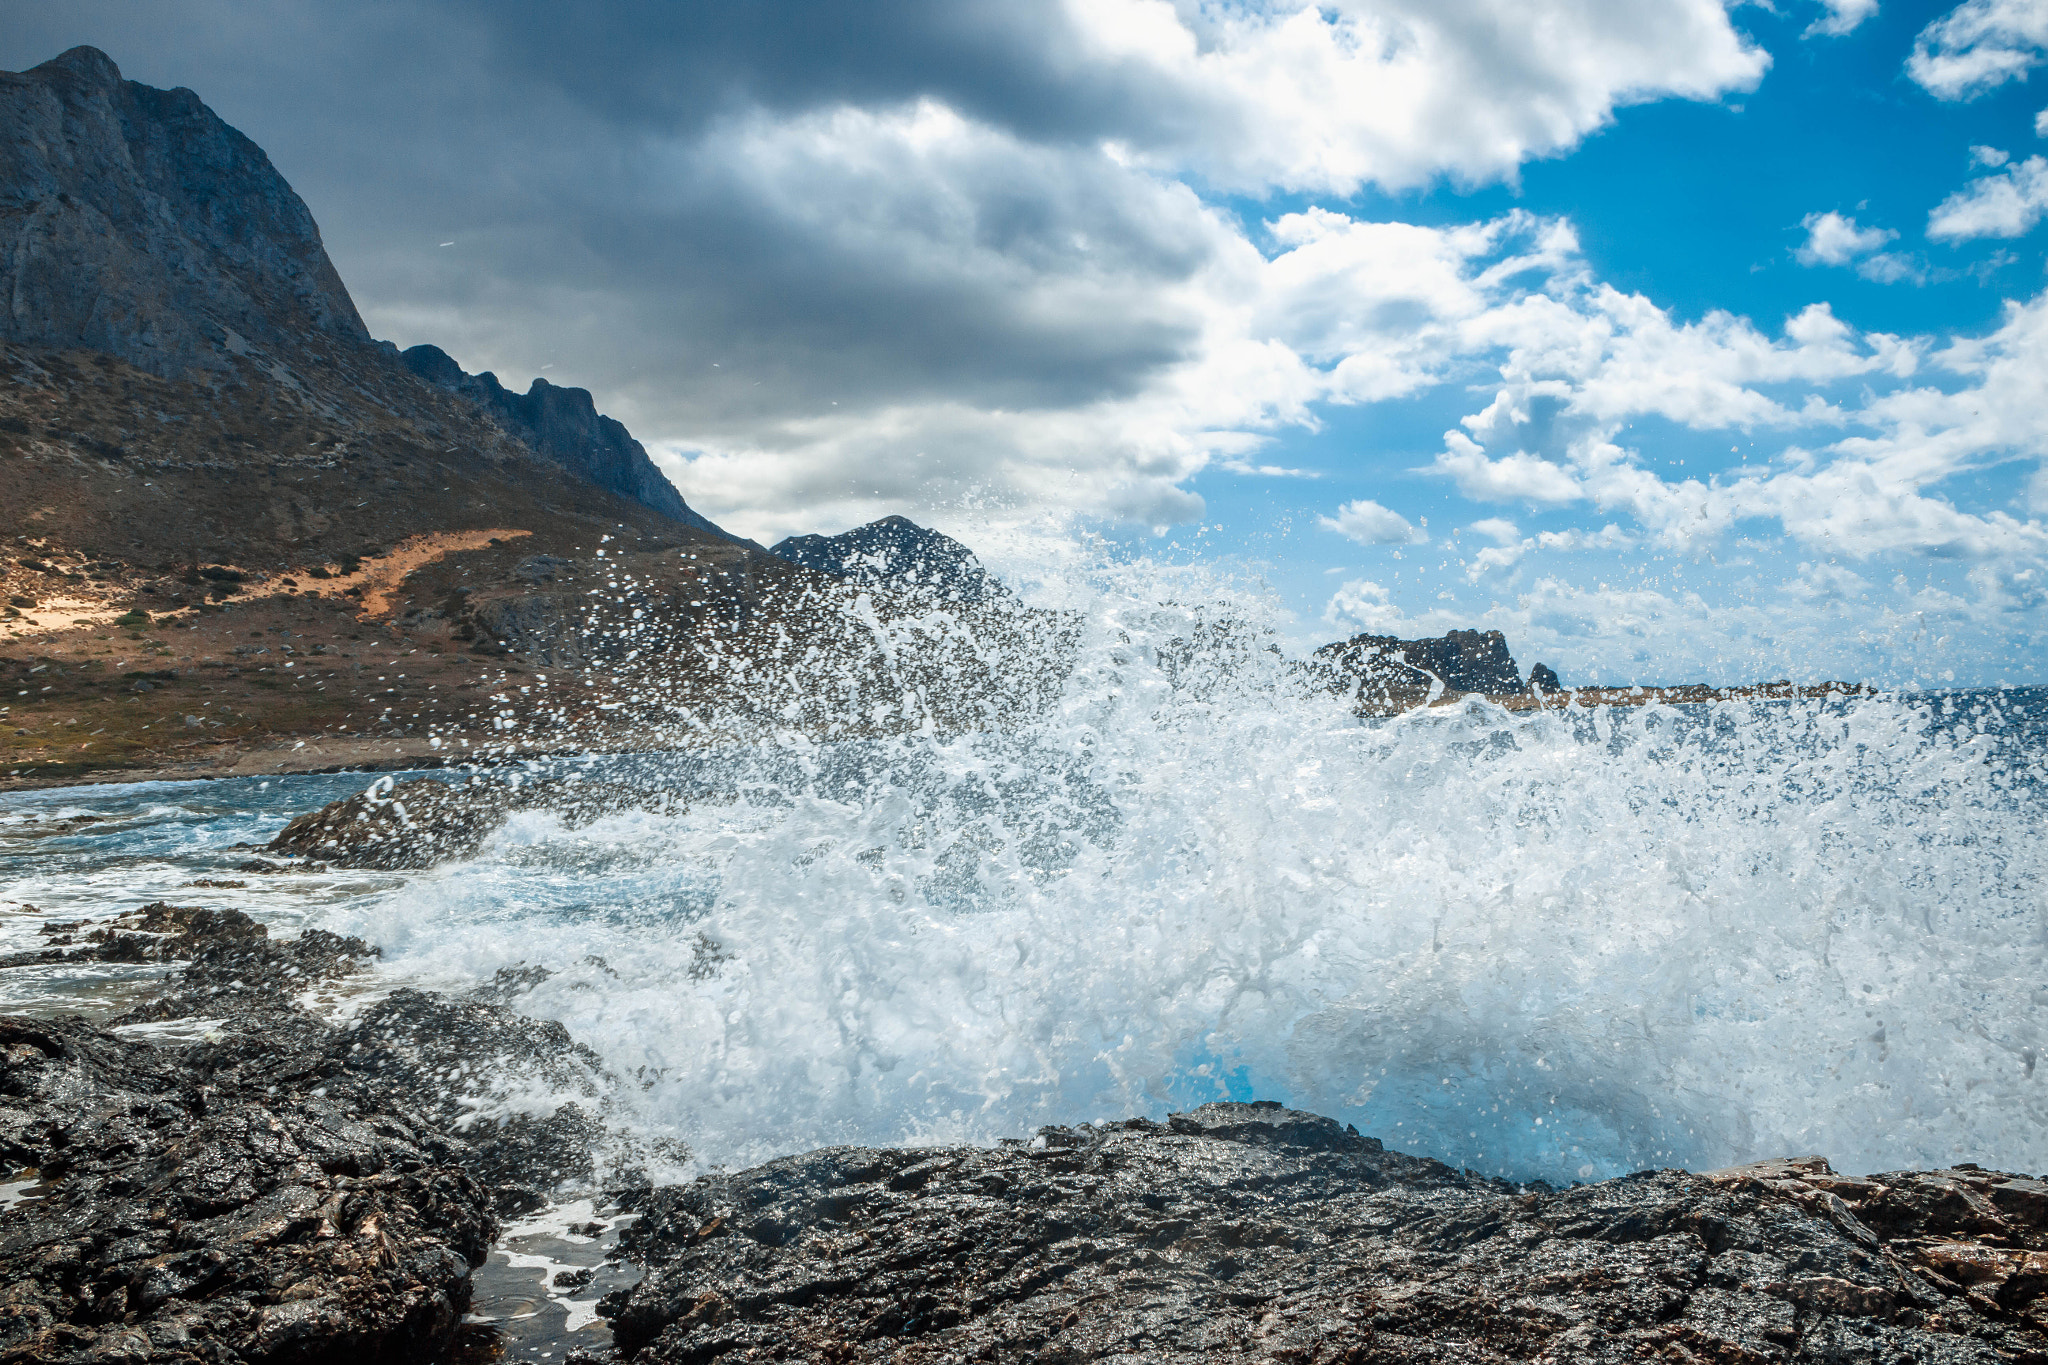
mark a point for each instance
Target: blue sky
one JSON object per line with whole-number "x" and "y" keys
{"x": 1678, "y": 340}
{"x": 1701, "y": 206}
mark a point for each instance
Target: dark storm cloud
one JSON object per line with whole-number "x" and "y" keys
{"x": 1014, "y": 63}
{"x": 602, "y": 169}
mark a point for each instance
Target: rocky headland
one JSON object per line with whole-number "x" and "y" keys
{"x": 1384, "y": 675}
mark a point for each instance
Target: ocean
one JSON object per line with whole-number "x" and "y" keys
{"x": 1559, "y": 945}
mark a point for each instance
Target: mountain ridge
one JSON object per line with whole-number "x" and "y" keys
{"x": 564, "y": 425}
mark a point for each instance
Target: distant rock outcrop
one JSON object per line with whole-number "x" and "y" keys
{"x": 565, "y": 426}
{"x": 134, "y": 221}
{"x": 898, "y": 554}
{"x": 1462, "y": 661}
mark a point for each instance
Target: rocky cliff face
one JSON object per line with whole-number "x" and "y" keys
{"x": 898, "y": 554}
{"x": 134, "y": 221}
{"x": 565, "y": 426}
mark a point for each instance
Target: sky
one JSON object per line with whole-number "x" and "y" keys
{"x": 1678, "y": 340}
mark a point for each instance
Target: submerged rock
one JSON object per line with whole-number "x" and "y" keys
{"x": 405, "y": 826}
{"x": 395, "y": 826}
{"x": 1255, "y": 1232}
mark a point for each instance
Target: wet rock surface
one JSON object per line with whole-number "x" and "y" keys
{"x": 401, "y": 825}
{"x": 283, "y": 1190}
{"x": 1254, "y": 1232}
{"x": 194, "y": 1214}
{"x": 396, "y": 826}
{"x": 432, "y": 1056}
{"x": 157, "y": 932}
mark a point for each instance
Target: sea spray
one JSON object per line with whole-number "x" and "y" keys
{"x": 1563, "y": 944}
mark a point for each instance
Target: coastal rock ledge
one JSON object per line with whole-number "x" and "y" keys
{"x": 1252, "y": 1232}
{"x": 291, "y": 1189}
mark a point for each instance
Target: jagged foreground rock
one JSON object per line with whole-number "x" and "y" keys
{"x": 196, "y": 1215}
{"x": 284, "y": 1191}
{"x": 1251, "y": 1232}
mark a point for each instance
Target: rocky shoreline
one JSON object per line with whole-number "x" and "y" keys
{"x": 286, "y": 1188}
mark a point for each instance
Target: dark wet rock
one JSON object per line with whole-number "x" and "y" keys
{"x": 1254, "y": 1232}
{"x": 423, "y": 822}
{"x": 282, "y": 1190}
{"x": 394, "y": 826}
{"x": 898, "y": 554}
{"x": 1543, "y": 678}
{"x": 1386, "y": 670}
{"x": 192, "y": 1216}
{"x": 252, "y": 985}
{"x": 520, "y": 1092}
{"x": 519, "y": 1096}
{"x": 157, "y": 932}
{"x": 233, "y": 967}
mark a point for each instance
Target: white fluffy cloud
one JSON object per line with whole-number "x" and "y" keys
{"x": 1874, "y": 492}
{"x": 1396, "y": 92}
{"x": 1836, "y": 239}
{"x": 1368, "y": 523}
{"x": 2007, "y": 204}
{"x": 1842, "y": 17}
{"x": 1510, "y": 552}
{"x": 1979, "y": 46}
{"x": 1833, "y": 239}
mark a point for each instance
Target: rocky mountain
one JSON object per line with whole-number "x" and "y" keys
{"x": 228, "y": 517}
{"x": 237, "y": 534}
{"x": 898, "y": 554}
{"x": 565, "y": 426}
{"x": 136, "y": 225}
{"x": 134, "y": 222}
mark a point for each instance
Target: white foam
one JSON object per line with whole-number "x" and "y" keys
{"x": 528, "y": 1244}
{"x": 24, "y": 1191}
{"x": 1558, "y": 945}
